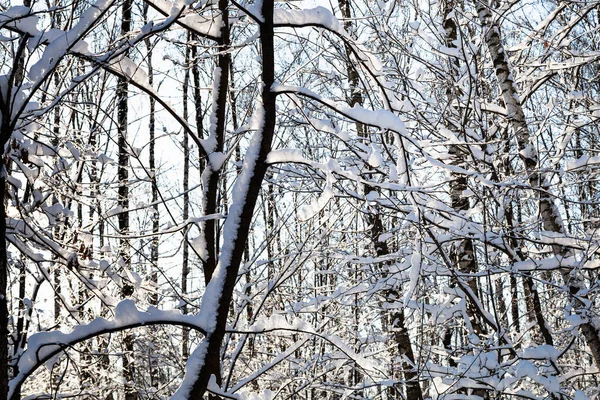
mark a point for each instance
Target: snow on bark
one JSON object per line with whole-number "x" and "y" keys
{"x": 212, "y": 295}
{"x": 550, "y": 217}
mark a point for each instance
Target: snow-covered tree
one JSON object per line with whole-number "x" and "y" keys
{"x": 375, "y": 200}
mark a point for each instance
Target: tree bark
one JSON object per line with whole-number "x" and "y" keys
{"x": 240, "y": 215}
{"x": 3, "y": 271}
{"x": 548, "y": 212}
{"x": 123, "y": 202}
{"x": 212, "y": 178}
{"x": 186, "y": 206}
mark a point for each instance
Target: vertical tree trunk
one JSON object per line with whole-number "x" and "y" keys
{"x": 4, "y": 136}
{"x": 155, "y": 376}
{"x": 463, "y": 257}
{"x": 6, "y": 129}
{"x": 246, "y": 257}
{"x": 197, "y": 100}
{"x": 396, "y": 320}
{"x": 548, "y": 212}
{"x": 123, "y": 202}
{"x": 186, "y": 204}
{"x": 211, "y": 174}
{"x": 240, "y": 215}
{"x": 57, "y": 229}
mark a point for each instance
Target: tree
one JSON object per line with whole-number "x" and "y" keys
{"x": 396, "y": 204}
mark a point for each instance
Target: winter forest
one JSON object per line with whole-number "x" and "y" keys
{"x": 352, "y": 199}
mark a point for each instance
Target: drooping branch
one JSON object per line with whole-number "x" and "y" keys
{"x": 44, "y": 346}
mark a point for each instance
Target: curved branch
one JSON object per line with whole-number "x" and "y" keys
{"x": 192, "y": 21}
{"x": 45, "y": 345}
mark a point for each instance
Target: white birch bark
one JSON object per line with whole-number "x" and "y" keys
{"x": 550, "y": 218}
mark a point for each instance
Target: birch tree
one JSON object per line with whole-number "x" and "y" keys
{"x": 399, "y": 203}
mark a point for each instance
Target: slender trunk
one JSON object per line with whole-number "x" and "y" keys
{"x": 548, "y": 212}
{"x": 20, "y": 335}
{"x": 4, "y": 135}
{"x": 270, "y": 228}
{"x": 397, "y": 325}
{"x": 155, "y": 376}
{"x": 153, "y": 171}
{"x": 211, "y": 173}
{"x": 463, "y": 255}
{"x": 186, "y": 206}
{"x": 239, "y": 220}
{"x": 396, "y": 320}
{"x": 6, "y": 129}
{"x": 197, "y": 101}
{"x": 57, "y": 229}
{"x": 123, "y": 202}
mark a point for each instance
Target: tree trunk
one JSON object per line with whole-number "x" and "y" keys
{"x": 463, "y": 256}
{"x": 186, "y": 206}
{"x": 155, "y": 376}
{"x": 211, "y": 174}
{"x": 4, "y": 135}
{"x": 549, "y": 215}
{"x": 123, "y": 203}
{"x": 239, "y": 219}
{"x": 396, "y": 318}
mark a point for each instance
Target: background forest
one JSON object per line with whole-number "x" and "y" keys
{"x": 294, "y": 200}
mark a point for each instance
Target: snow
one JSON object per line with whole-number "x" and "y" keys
{"x": 285, "y": 156}
{"x": 379, "y": 118}
{"x": 192, "y": 366}
{"x": 414, "y": 25}
{"x": 62, "y": 43}
{"x": 255, "y": 10}
{"x": 43, "y": 346}
{"x": 307, "y": 212}
{"x": 114, "y": 211}
{"x": 20, "y": 18}
{"x": 582, "y": 162}
{"x": 412, "y": 213}
{"x": 375, "y": 159}
{"x": 319, "y": 16}
{"x": 525, "y": 369}
{"x": 130, "y": 70}
{"x": 195, "y": 21}
{"x": 543, "y": 352}
{"x": 450, "y": 51}
{"x": 580, "y": 395}
{"x": 14, "y": 182}
{"x": 414, "y": 274}
{"x": 217, "y": 159}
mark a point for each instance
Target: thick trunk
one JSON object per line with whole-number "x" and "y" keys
{"x": 246, "y": 257}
